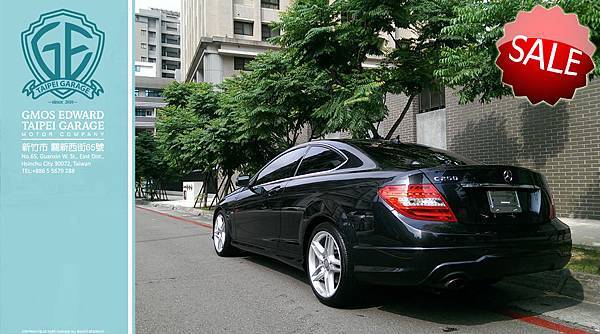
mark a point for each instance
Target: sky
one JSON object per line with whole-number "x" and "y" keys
{"x": 163, "y": 4}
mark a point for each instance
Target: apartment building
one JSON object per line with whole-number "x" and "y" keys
{"x": 221, "y": 36}
{"x": 157, "y": 36}
{"x": 148, "y": 96}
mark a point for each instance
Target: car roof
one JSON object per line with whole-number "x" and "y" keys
{"x": 338, "y": 143}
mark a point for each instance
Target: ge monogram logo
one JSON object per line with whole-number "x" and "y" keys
{"x": 63, "y": 50}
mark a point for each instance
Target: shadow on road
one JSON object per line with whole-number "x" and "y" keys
{"x": 468, "y": 307}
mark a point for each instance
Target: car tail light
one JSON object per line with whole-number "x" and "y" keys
{"x": 418, "y": 201}
{"x": 552, "y": 211}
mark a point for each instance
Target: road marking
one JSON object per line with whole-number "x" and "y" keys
{"x": 175, "y": 217}
{"x": 173, "y": 238}
{"x": 540, "y": 322}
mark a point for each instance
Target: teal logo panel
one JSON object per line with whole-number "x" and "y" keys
{"x": 65, "y": 134}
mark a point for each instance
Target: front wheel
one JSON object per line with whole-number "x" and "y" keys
{"x": 221, "y": 237}
{"x": 329, "y": 266}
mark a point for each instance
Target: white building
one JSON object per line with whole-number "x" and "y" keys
{"x": 157, "y": 36}
{"x": 220, "y": 36}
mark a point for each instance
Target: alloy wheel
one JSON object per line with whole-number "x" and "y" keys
{"x": 219, "y": 233}
{"x": 324, "y": 264}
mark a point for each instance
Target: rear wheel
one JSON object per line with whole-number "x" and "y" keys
{"x": 222, "y": 237}
{"x": 329, "y": 266}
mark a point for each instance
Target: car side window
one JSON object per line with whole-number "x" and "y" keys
{"x": 282, "y": 167}
{"x": 319, "y": 159}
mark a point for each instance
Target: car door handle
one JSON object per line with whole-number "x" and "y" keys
{"x": 274, "y": 190}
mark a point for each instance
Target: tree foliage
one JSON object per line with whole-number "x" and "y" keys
{"x": 469, "y": 64}
{"x": 341, "y": 36}
{"x": 151, "y": 167}
{"x": 183, "y": 121}
{"x": 276, "y": 99}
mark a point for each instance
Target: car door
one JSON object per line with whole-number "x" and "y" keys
{"x": 257, "y": 213}
{"x": 299, "y": 193}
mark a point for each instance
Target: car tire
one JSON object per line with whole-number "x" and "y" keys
{"x": 221, "y": 236}
{"x": 338, "y": 268}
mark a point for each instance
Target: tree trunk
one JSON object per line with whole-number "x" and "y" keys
{"x": 375, "y": 133}
{"x": 399, "y": 120}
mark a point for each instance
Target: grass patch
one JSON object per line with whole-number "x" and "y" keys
{"x": 585, "y": 261}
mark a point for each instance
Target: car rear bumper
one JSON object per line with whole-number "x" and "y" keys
{"x": 436, "y": 266}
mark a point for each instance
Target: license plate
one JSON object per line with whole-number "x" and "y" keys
{"x": 502, "y": 201}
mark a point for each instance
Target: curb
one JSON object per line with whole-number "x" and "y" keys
{"x": 183, "y": 209}
{"x": 580, "y": 286}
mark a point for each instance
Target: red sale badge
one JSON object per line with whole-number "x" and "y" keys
{"x": 545, "y": 55}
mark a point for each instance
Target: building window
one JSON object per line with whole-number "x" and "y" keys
{"x": 243, "y": 28}
{"x": 241, "y": 63}
{"x": 170, "y": 66}
{"x": 153, "y": 93}
{"x": 152, "y": 60}
{"x": 432, "y": 99}
{"x": 271, "y": 4}
{"x": 168, "y": 75}
{"x": 143, "y": 45}
{"x": 144, "y": 112}
{"x": 173, "y": 53}
{"x": 144, "y": 32}
{"x": 268, "y": 32}
{"x": 144, "y": 59}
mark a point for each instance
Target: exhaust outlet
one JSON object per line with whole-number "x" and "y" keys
{"x": 456, "y": 283}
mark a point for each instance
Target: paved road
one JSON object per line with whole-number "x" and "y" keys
{"x": 183, "y": 287}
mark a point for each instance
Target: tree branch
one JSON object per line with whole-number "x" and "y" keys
{"x": 401, "y": 117}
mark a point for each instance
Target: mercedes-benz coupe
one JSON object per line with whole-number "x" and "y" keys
{"x": 384, "y": 212}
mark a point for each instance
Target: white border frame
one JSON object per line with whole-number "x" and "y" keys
{"x": 130, "y": 87}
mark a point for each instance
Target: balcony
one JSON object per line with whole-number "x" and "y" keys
{"x": 170, "y": 67}
{"x": 171, "y": 44}
{"x": 172, "y": 53}
{"x": 170, "y": 29}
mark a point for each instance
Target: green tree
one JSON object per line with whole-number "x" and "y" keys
{"x": 276, "y": 99}
{"x": 468, "y": 65}
{"x": 339, "y": 36}
{"x": 151, "y": 168}
{"x": 191, "y": 106}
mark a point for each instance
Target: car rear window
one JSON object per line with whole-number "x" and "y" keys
{"x": 319, "y": 159}
{"x": 410, "y": 156}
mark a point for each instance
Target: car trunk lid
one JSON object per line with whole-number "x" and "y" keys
{"x": 493, "y": 194}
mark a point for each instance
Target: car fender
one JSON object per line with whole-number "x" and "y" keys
{"x": 325, "y": 210}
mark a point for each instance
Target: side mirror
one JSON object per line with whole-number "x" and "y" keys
{"x": 242, "y": 181}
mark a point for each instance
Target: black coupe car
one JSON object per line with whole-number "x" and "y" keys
{"x": 391, "y": 213}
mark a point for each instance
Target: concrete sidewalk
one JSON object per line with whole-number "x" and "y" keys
{"x": 584, "y": 232}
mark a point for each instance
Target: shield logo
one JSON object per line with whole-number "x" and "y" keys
{"x": 63, "y": 49}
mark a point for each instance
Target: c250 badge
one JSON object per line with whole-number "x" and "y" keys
{"x": 62, "y": 49}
